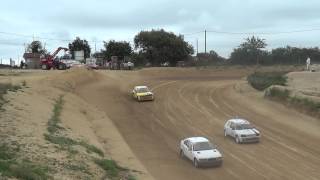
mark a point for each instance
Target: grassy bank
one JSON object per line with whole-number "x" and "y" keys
{"x": 56, "y": 135}
{"x": 5, "y": 88}
{"x": 263, "y": 80}
{"x": 302, "y": 104}
{"x": 12, "y": 166}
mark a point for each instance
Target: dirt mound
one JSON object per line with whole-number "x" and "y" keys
{"x": 82, "y": 133}
{"x": 306, "y": 84}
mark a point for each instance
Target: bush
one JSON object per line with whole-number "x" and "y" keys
{"x": 278, "y": 93}
{"x": 109, "y": 166}
{"x": 5, "y": 87}
{"x": 300, "y": 103}
{"x": 307, "y": 104}
{"x": 11, "y": 167}
{"x": 263, "y": 80}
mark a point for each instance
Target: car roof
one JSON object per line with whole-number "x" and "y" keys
{"x": 197, "y": 139}
{"x": 139, "y": 87}
{"x": 239, "y": 121}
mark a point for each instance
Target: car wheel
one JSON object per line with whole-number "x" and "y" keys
{"x": 181, "y": 154}
{"x": 237, "y": 140}
{"x": 61, "y": 67}
{"x": 195, "y": 163}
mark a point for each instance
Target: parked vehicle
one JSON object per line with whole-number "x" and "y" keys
{"x": 200, "y": 151}
{"x": 165, "y": 64}
{"x": 51, "y": 61}
{"x": 241, "y": 130}
{"x": 130, "y": 65}
{"x": 142, "y": 93}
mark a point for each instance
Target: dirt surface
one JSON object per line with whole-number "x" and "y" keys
{"x": 24, "y": 121}
{"x": 144, "y": 137}
{"x": 305, "y": 83}
{"x": 193, "y": 102}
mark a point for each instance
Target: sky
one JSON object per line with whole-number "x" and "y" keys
{"x": 56, "y": 23}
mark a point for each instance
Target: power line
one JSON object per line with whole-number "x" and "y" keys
{"x": 263, "y": 33}
{"x": 43, "y": 38}
{"x": 190, "y": 34}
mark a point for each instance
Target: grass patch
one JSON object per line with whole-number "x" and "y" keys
{"x": 11, "y": 167}
{"x": 66, "y": 142}
{"x": 4, "y": 88}
{"x": 29, "y": 171}
{"x": 62, "y": 141}
{"x": 59, "y": 140}
{"x": 53, "y": 126}
{"x": 131, "y": 177}
{"x": 278, "y": 94}
{"x": 300, "y": 103}
{"x": 263, "y": 80}
{"x": 5, "y": 153}
{"x": 91, "y": 148}
{"x": 81, "y": 168}
{"x": 111, "y": 167}
{"x": 309, "y": 106}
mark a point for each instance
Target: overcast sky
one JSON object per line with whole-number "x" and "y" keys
{"x": 102, "y": 20}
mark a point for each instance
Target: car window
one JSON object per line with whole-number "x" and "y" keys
{"x": 232, "y": 125}
{"x": 142, "y": 90}
{"x": 202, "y": 146}
{"x": 243, "y": 126}
{"x": 186, "y": 142}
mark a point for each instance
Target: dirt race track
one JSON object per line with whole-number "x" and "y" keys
{"x": 193, "y": 102}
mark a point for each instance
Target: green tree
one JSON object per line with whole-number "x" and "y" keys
{"x": 210, "y": 58}
{"x": 159, "y": 46}
{"x": 294, "y": 55}
{"x": 114, "y": 48}
{"x": 250, "y": 51}
{"x": 78, "y": 45}
{"x": 36, "y": 47}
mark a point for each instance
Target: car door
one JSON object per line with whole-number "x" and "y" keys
{"x": 232, "y": 129}
{"x": 134, "y": 93}
{"x": 185, "y": 147}
{"x": 228, "y": 128}
{"x": 189, "y": 151}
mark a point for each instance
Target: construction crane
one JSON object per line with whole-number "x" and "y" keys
{"x": 48, "y": 61}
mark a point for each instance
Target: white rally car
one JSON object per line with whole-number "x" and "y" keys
{"x": 200, "y": 151}
{"x": 241, "y": 130}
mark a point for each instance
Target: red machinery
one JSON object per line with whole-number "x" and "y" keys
{"x": 49, "y": 61}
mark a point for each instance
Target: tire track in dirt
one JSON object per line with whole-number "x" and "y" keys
{"x": 186, "y": 107}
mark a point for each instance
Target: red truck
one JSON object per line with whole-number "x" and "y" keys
{"x": 49, "y": 61}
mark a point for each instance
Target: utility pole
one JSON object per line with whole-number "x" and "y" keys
{"x": 205, "y": 41}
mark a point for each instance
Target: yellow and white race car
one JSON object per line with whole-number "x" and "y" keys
{"x": 142, "y": 93}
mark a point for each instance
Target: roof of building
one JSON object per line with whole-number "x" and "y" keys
{"x": 31, "y": 55}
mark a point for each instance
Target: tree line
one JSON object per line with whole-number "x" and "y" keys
{"x": 156, "y": 47}
{"x": 252, "y": 51}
